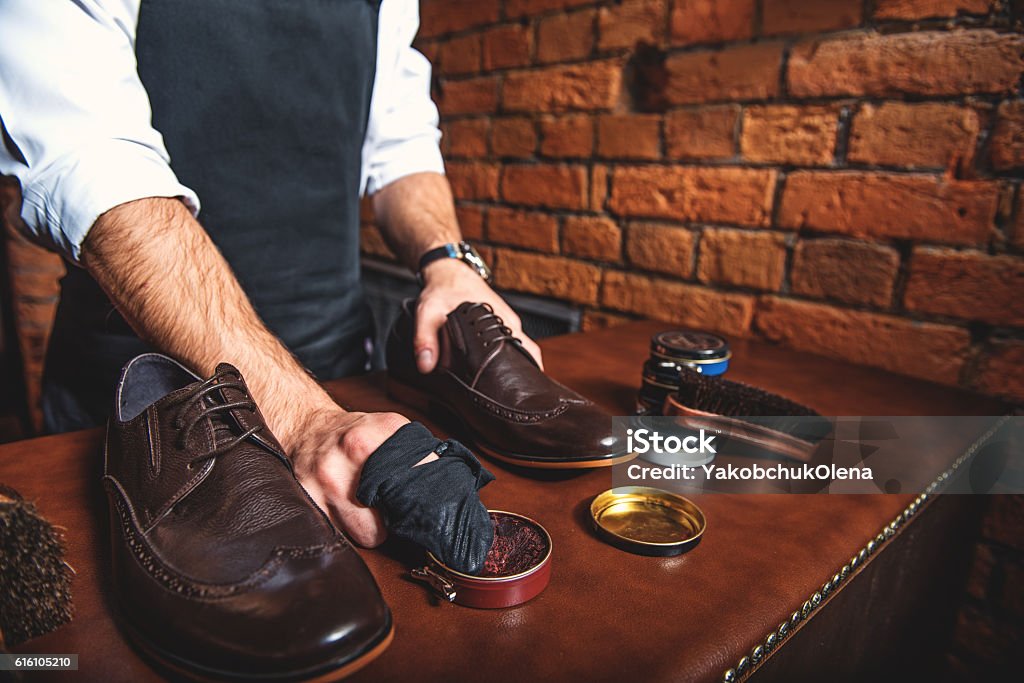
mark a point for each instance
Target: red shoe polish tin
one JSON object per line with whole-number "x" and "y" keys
{"x": 518, "y": 567}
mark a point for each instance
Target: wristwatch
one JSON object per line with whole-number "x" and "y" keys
{"x": 462, "y": 251}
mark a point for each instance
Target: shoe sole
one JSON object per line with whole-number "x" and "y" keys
{"x": 430, "y": 405}
{"x": 196, "y": 672}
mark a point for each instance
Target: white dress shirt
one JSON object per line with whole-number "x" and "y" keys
{"x": 77, "y": 124}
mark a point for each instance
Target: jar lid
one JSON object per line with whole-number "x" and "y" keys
{"x": 647, "y": 521}
{"x": 690, "y": 345}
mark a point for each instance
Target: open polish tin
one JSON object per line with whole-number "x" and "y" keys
{"x": 518, "y": 567}
{"x": 647, "y": 521}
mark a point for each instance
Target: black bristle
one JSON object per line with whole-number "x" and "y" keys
{"x": 736, "y": 399}
{"x": 35, "y": 582}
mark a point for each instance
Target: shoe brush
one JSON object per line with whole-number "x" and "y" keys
{"x": 35, "y": 581}
{"x": 729, "y": 398}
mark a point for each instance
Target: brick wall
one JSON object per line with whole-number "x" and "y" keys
{"x": 838, "y": 176}
{"x": 33, "y": 278}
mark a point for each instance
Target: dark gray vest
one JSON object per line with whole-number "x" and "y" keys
{"x": 263, "y": 106}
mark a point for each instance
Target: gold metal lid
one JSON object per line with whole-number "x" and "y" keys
{"x": 647, "y": 521}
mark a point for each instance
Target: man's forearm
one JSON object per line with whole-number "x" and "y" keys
{"x": 416, "y": 213}
{"x": 173, "y": 286}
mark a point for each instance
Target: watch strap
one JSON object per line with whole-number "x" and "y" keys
{"x": 462, "y": 251}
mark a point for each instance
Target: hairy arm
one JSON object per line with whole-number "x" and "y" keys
{"x": 173, "y": 286}
{"x": 171, "y": 283}
{"x": 417, "y": 213}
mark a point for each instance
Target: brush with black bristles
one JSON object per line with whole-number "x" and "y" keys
{"x": 722, "y": 399}
{"x": 35, "y": 581}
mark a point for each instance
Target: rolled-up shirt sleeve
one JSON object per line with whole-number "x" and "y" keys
{"x": 76, "y": 118}
{"x": 402, "y": 134}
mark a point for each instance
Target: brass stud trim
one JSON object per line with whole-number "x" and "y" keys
{"x": 748, "y": 664}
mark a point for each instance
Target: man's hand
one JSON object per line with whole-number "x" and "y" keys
{"x": 449, "y": 282}
{"x": 330, "y": 448}
{"x": 416, "y": 213}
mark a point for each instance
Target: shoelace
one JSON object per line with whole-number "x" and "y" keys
{"x": 199, "y": 396}
{"x": 504, "y": 333}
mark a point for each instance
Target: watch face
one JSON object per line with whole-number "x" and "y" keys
{"x": 472, "y": 257}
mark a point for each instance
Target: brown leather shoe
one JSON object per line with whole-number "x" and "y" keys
{"x": 222, "y": 565}
{"x": 512, "y": 410}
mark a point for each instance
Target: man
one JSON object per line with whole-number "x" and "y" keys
{"x": 121, "y": 116}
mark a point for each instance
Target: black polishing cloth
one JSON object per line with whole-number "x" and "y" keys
{"x": 435, "y": 505}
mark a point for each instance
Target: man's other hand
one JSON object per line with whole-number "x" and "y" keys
{"x": 328, "y": 451}
{"x": 450, "y": 282}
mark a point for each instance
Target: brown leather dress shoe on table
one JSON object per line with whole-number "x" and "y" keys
{"x": 511, "y": 409}
{"x": 223, "y": 567}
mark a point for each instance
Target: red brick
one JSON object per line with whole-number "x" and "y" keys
{"x": 514, "y": 137}
{"x": 521, "y": 8}
{"x": 629, "y": 136}
{"x": 366, "y": 214}
{"x": 900, "y": 134}
{"x": 1001, "y": 372}
{"x": 742, "y": 258}
{"x": 602, "y": 320}
{"x": 701, "y": 133}
{"x": 32, "y": 283}
{"x": 466, "y": 137}
{"x": 471, "y": 221}
{"x": 567, "y": 136}
{"x": 598, "y": 187}
{"x": 595, "y": 85}
{"x": 593, "y": 237}
{"x": 1017, "y": 226}
{"x": 925, "y": 63}
{"x": 789, "y": 135}
{"x": 1007, "y": 144}
{"x": 469, "y": 96}
{"x": 460, "y": 55}
{"x": 549, "y": 185}
{"x": 888, "y": 205}
{"x": 529, "y": 229}
{"x": 922, "y": 9}
{"x": 1004, "y": 521}
{"x": 981, "y": 571}
{"x": 711, "y": 21}
{"x": 716, "y": 195}
{"x": 429, "y": 49}
{"x": 438, "y": 17}
{"x": 564, "y": 37}
{"x": 1011, "y": 597}
{"x": 925, "y": 350}
{"x": 676, "y": 302}
{"x": 473, "y": 179}
{"x": 800, "y": 16}
{"x": 631, "y": 22}
{"x": 745, "y": 72}
{"x": 852, "y": 272}
{"x": 552, "y": 276}
{"x": 966, "y": 284}
{"x": 372, "y": 242}
{"x": 506, "y": 46}
{"x": 661, "y": 248}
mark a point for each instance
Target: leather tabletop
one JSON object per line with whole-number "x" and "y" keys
{"x": 606, "y": 613}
